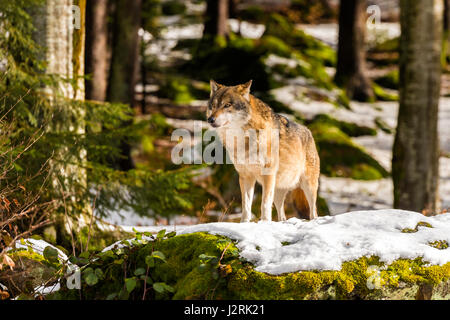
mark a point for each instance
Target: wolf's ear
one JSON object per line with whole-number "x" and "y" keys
{"x": 214, "y": 86}
{"x": 245, "y": 90}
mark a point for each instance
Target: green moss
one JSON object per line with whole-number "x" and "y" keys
{"x": 390, "y": 45}
{"x": 416, "y": 229}
{"x": 439, "y": 244}
{"x": 382, "y": 95}
{"x": 424, "y": 224}
{"x": 382, "y": 125}
{"x": 236, "y": 61}
{"x": 278, "y": 26}
{"x": 349, "y": 128}
{"x": 275, "y": 45}
{"x": 341, "y": 157}
{"x": 389, "y": 80}
{"x": 31, "y": 270}
{"x": 228, "y": 277}
{"x": 182, "y": 90}
{"x": 348, "y": 283}
{"x": 219, "y": 62}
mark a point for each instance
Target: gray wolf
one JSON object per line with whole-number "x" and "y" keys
{"x": 296, "y": 166}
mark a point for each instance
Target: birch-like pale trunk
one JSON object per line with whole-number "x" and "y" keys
{"x": 416, "y": 148}
{"x": 63, "y": 52}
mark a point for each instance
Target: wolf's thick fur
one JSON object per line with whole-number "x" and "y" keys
{"x": 297, "y": 166}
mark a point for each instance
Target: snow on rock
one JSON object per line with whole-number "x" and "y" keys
{"x": 326, "y": 242}
{"x": 38, "y": 246}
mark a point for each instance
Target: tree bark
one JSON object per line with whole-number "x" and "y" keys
{"x": 447, "y": 15}
{"x": 351, "y": 61}
{"x": 125, "y": 51}
{"x": 79, "y": 46}
{"x": 216, "y": 20}
{"x": 63, "y": 53}
{"x": 124, "y": 67}
{"x": 415, "y": 166}
{"x": 447, "y": 30}
{"x": 97, "y": 49}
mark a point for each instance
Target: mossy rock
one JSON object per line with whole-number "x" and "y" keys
{"x": 389, "y": 80}
{"x": 341, "y": 157}
{"x": 236, "y": 62}
{"x": 349, "y": 128}
{"x": 182, "y": 90}
{"x": 280, "y": 27}
{"x": 205, "y": 266}
{"x": 383, "y": 95}
{"x": 274, "y": 45}
{"x": 214, "y": 59}
{"x": 390, "y": 45}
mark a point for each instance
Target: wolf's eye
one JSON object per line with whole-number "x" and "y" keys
{"x": 227, "y": 105}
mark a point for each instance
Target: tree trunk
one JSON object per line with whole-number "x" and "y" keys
{"x": 63, "y": 53}
{"x": 97, "y": 49}
{"x": 447, "y": 15}
{"x": 216, "y": 20}
{"x": 446, "y": 30}
{"x": 415, "y": 155}
{"x": 79, "y": 46}
{"x": 351, "y": 62}
{"x": 125, "y": 51}
{"x": 124, "y": 63}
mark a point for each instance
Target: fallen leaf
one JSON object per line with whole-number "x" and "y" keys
{"x": 8, "y": 261}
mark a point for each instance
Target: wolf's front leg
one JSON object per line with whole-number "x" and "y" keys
{"x": 268, "y": 191}
{"x": 247, "y": 185}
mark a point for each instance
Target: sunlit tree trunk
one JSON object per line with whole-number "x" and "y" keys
{"x": 60, "y": 32}
{"x": 415, "y": 155}
{"x": 351, "y": 62}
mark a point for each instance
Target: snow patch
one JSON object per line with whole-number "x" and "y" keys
{"x": 326, "y": 242}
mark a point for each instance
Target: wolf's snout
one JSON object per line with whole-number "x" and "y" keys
{"x": 212, "y": 121}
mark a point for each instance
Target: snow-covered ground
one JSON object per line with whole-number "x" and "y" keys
{"x": 328, "y": 32}
{"x": 325, "y": 243}
{"x": 347, "y": 194}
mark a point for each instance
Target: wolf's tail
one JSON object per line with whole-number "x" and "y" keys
{"x": 301, "y": 204}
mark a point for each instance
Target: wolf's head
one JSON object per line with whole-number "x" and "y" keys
{"x": 228, "y": 106}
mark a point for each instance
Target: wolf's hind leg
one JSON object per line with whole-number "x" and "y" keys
{"x": 310, "y": 187}
{"x": 247, "y": 185}
{"x": 280, "y": 195}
